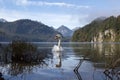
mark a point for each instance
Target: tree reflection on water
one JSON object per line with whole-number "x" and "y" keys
{"x": 103, "y": 55}
{"x": 99, "y": 53}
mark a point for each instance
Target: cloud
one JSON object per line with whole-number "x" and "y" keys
{"x": 45, "y": 3}
{"x": 50, "y": 19}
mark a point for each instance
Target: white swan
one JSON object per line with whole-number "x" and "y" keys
{"x": 57, "y": 47}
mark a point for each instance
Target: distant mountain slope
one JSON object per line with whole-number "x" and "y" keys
{"x": 2, "y": 20}
{"x": 65, "y": 31}
{"x": 26, "y": 29}
{"x": 102, "y": 30}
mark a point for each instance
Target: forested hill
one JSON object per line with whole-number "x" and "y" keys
{"x": 99, "y": 30}
{"x": 26, "y": 29}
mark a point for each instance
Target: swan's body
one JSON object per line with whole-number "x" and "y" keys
{"x": 57, "y": 47}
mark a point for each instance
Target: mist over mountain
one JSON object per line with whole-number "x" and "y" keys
{"x": 100, "y": 19}
{"x": 74, "y": 29}
{"x": 26, "y": 29}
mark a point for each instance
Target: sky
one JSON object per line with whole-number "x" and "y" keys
{"x": 54, "y": 13}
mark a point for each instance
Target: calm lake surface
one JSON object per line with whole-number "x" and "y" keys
{"x": 78, "y": 61}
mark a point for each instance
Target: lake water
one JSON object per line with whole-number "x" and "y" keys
{"x": 78, "y": 61}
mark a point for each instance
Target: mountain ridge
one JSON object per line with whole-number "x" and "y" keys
{"x": 65, "y": 31}
{"x": 26, "y": 29}
{"x": 2, "y": 20}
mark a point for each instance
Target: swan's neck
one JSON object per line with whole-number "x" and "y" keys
{"x": 59, "y": 41}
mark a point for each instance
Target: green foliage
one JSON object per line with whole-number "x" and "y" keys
{"x": 88, "y": 32}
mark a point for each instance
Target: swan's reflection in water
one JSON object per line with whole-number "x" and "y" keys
{"x": 57, "y": 58}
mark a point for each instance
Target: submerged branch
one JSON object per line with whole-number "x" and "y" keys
{"x": 76, "y": 70}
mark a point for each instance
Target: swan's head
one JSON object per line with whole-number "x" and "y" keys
{"x": 58, "y": 36}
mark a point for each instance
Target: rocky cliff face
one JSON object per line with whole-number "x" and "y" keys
{"x": 107, "y": 35}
